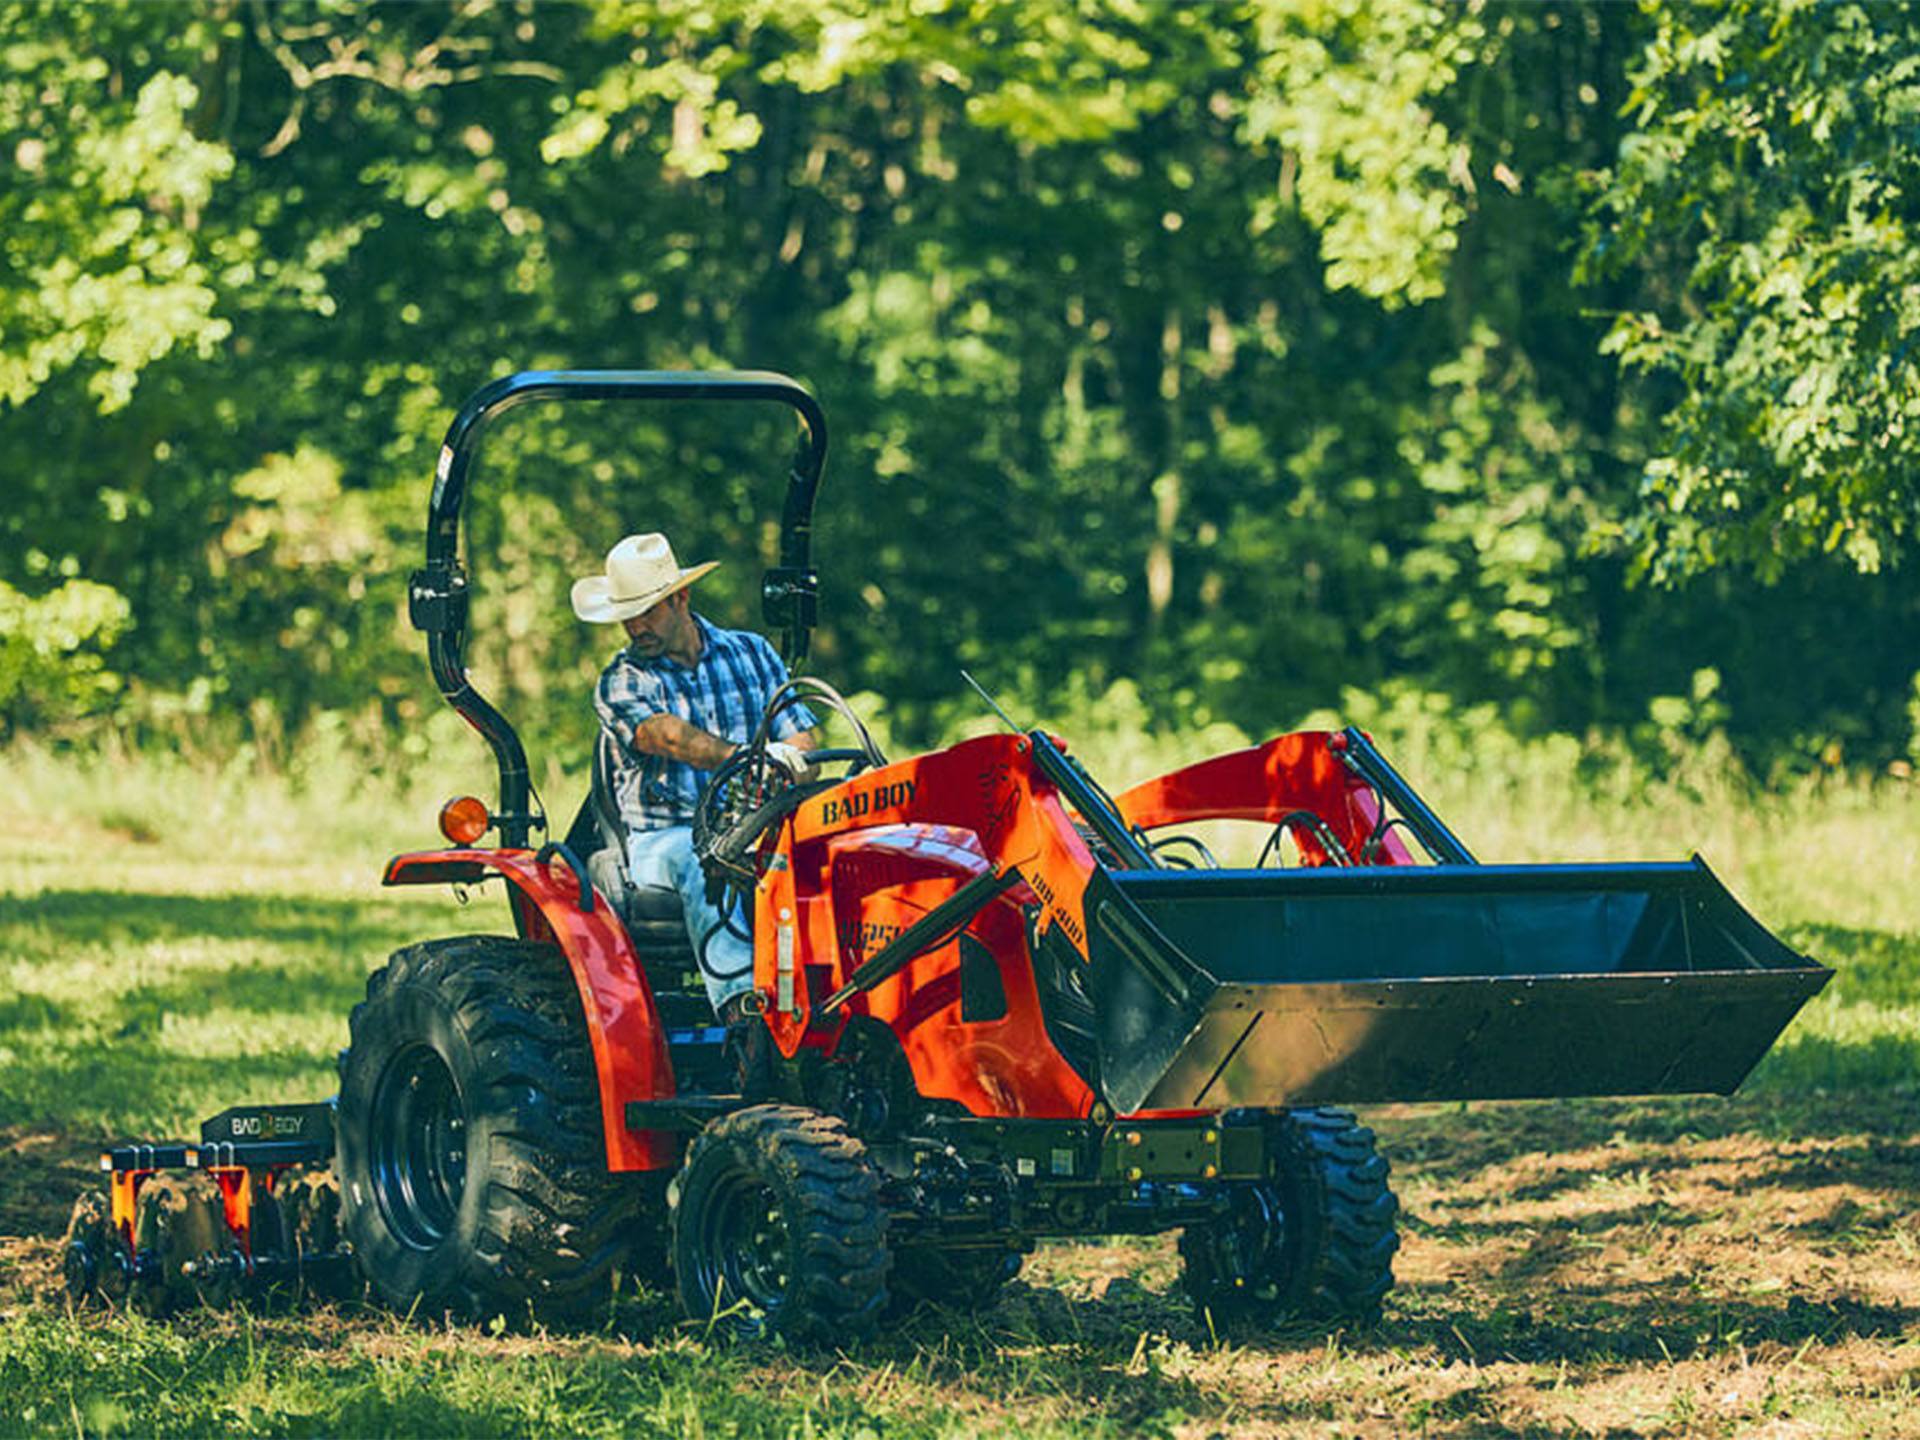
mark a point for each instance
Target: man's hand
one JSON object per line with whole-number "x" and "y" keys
{"x": 790, "y": 758}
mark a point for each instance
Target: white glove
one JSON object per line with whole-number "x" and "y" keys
{"x": 790, "y": 758}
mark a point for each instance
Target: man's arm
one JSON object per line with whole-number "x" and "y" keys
{"x": 679, "y": 739}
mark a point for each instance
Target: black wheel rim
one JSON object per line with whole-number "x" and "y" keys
{"x": 743, "y": 1248}
{"x": 1248, "y": 1250}
{"x": 80, "y": 1271}
{"x": 417, "y": 1142}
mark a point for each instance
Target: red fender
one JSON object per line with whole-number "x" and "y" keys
{"x": 629, "y": 1043}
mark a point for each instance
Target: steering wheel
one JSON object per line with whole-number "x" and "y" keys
{"x": 748, "y": 795}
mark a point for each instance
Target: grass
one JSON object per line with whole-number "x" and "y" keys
{"x": 178, "y": 938}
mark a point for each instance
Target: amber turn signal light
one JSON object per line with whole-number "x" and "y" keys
{"x": 464, "y": 819}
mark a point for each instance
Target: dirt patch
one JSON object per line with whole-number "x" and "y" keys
{"x": 41, "y": 1174}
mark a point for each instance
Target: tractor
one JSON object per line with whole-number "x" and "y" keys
{"x": 992, "y": 1003}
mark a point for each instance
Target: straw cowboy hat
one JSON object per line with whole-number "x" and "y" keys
{"x": 641, "y": 572}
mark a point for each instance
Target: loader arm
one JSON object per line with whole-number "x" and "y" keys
{"x": 1356, "y": 976}
{"x": 1288, "y": 775}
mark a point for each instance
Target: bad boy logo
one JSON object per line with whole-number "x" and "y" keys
{"x": 861, "y": 803}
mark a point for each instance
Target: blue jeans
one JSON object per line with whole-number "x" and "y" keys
{"x": 665, "y": 858}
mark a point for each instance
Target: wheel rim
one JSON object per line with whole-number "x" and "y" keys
{"x": 418, "y": 1147}
{"x": 1247, "y": 1251}
{"x": 1266, "y": 1242}
{"x": 80, "y": 1271}
{"x": 743, "y": 1246}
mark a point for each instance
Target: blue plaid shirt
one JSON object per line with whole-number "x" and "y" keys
{"x": 724, "y": 692}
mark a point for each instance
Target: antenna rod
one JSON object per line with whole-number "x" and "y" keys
{"x": 1005, "y": 718}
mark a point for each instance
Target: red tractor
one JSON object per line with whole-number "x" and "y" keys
{"x": 993, "y": 1004}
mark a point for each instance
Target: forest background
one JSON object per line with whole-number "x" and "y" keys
{"x": 1533, "y": 384}
{"x": 1536, "y": 369}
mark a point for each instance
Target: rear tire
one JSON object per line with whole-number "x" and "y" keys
{"x": 778, "y": 1227}
{"x": 472, "y": 1164}
{"x": 1314, "y": 1241}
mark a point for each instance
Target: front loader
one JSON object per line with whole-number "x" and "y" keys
{"x": 991, "y": 1003}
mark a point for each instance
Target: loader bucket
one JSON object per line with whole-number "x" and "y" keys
{"x": 1448, "y": 982}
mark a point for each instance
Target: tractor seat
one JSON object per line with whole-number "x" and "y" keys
{"x": 643, "y": 905}
{"x": 651, "y": 913}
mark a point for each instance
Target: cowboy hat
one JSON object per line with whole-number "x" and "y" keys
{"x": 641, "y": 572}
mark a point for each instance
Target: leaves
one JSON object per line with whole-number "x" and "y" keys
{"x": 1778, "y": 145}
{"x": 106, "y": 271}
{"x": 1245, "y": 353}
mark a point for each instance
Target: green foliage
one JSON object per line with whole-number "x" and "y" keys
{"x": 1235, "y": 352}
{"x": 51, "y": 661}
{"x": 1345, "y": 88}
{"x": 105, "y": 270}
{"x": 1767, "y": 190}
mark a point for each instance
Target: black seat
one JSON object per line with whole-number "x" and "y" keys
{"x": 651, "y": 913}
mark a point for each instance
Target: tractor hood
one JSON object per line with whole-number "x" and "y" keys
{"x": 1218, "y": 988}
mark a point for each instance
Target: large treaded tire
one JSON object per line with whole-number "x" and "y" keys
{"x": 778, "y": 1227}
{"x": 1314, "y": 1242}
{"x": 491, "y": 1196}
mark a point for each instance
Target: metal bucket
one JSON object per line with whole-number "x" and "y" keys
{"x": 1221, "y": 988}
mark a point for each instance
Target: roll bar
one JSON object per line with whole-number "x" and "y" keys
{"x": 437, "y": 593}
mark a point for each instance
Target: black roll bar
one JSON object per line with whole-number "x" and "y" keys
{"x": 437, "y": 593}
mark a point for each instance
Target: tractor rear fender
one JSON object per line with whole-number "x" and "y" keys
{"x": 629, "y": 1043}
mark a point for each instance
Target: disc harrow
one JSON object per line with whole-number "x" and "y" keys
{"x": 250, "y": 1210}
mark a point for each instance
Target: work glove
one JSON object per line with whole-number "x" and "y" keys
{"x": 790, "y": 758}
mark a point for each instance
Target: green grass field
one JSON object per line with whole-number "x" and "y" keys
{"x": 174, "y": 939}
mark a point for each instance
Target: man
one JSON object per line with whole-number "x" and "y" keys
{"x": 679, "y": 700}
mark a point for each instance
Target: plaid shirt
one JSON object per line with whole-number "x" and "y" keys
{"x": 725, "y": 693}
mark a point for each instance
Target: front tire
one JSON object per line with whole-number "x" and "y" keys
{"x": 778, "y": 1227}
{"x": 473, "y": 1171}
{"x": 1314, "y": 1241}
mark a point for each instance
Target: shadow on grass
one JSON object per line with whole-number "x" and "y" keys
{"x": 1559, "y": 1233}
{"x": 1626, "y": 1324}
{"x": 1809, "y": 1063}
{"x": 1452, "y": 1147}
{"x": 1865, "y": 1162}
{"x": 83, "y": 918}
{"x": 111, "y": 1093}
{"x": 318, "y": 988}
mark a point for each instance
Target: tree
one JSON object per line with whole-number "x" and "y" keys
{"x": 1766, "y": 198}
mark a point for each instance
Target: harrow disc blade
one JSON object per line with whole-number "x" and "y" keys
{"x": 310, "y": 1219}
{"x": 89, "y": 1247}
{"x": 179, "y": 1223}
